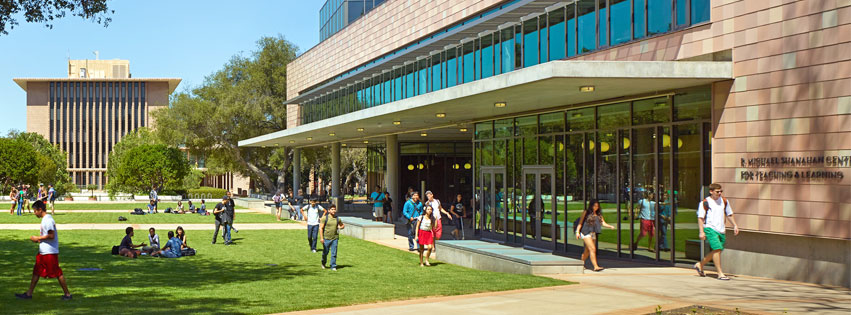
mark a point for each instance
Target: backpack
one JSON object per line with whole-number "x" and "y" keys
{"x": 120, "y": 218}
{"x": 187, "y": 252}
{"x": 168, "y": 210}
{"x": 115, "y": 250}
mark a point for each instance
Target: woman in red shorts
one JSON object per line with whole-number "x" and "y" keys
{"x": 425, "y": 236}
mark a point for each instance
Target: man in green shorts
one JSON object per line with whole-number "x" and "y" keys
{"x": 712, "y": 213}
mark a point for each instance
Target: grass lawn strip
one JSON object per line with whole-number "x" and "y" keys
{"x": 109, "y": 217}
{"x": 120, "y": 206}
{"x": 266, "y": 271}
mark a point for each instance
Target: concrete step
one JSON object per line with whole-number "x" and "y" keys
{"x": 491, "y": 256}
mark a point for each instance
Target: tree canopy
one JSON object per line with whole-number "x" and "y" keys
{"x": 18, "y": 163}
{"x": 147, "y": 165}
{"x": 46, "y": 11}
{"x": 244, "y": 99}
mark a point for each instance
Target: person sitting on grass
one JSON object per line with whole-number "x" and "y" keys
{"x": 171, "y": 249}
{"x": 152, "y": 207}
{"x": 127, "y": 248}
{"x": 154, "y": 240}
{"x": 181, "y": 235}
{"x": 179, "y": 208}
{"x": 202, "y": 210}
{"x": 190, "y": 207}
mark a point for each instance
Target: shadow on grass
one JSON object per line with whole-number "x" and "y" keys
{"x": 126, "y": 285}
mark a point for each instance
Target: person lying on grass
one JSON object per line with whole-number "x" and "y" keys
{"x": 127, "y": 248}
{"x": 171, "y": 249}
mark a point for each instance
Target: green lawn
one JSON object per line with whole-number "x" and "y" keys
{"x": 110, "y": 217}
{"x": 60, "y": 205}
{"x": 264, "y": 272}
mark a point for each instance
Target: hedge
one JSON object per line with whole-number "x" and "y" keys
{"x": 206, "y": 192}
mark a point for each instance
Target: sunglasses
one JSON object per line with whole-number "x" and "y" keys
{"x": 718, "y": 191}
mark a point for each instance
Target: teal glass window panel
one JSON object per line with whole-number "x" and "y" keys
{"x": 469, "y": 62}
{"x": 603, "y": 23}
{"x": 699, "y": 11}
{"x": 487, "y": 56}
{"x": 507, "y": 53}
{"x": 587, "y": 22}
{"x": 658, "y": 16}
{"x": 620, "y": 21}
{"x": 571, "y": 29}
{"x": 543, "y": 39}
{"x": 530, "y": 43}
{"x": 639, "y": 26}
{"x": 682, "y": 7}
{"x": 557, "y": 34}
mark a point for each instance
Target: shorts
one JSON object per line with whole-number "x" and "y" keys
{"x": 425, "y": 237}
{"x": 278, "y": 204}
{"x": 647, "y": 227}
{"x": 437, "y": 229}
{"x": 716, "y": 240}
{"x": 584, "y": 236}
{"x": 457, "y": 222}
{"x": 47, "y": 266}
{"x": 378, "y": 211}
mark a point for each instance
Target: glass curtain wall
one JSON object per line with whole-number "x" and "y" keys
{"x": 645, "y": 161}
{"x": 577, "y": 28}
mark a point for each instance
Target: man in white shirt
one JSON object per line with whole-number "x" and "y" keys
{"x": 311, "y": 213}
{"x": 712, "y": 214}
{"x": 47, "y": 260}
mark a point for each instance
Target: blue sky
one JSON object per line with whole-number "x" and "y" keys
{"x": 185, "y": 39}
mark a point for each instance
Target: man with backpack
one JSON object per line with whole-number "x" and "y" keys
{"x": 329, "y": 235}
{"x": 712, "y": 213}
{"x": 51, "y": 197}
{"x": 311, "y": 213}
{"x": 154, "y": 197}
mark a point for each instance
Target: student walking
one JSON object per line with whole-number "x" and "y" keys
{"x": 459, "y": 212}
{"x": 712, "y": 215}
{"x": 227, "y": 217}
{"x": 51, "y": 197}
{"x": 647, "y": 214}
{"x": 388, "y": 208}
{"x": 411, "y": 212}
{"x": 21, "y": 200}
{"x": 154, "y": 197}
{"x": 329, "y": 235}
{"x": 13, "y": 196}
{"x": 295, "y": 202}
{"x": 377, "y": 199}
{"x": 277, "y": 200}
{"x": 437, "y": 209}
{"x": 590, "y": 224}
{"x": 311, "y": 212}
{"x": 218, "y": 212}
{"x": 425, "y": 233}
{"x": 47, "y": 260}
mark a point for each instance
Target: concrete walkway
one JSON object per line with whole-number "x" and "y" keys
{"x": 626, "y": 290}
{"x": 119, "y": 226}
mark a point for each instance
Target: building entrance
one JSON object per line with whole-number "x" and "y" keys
{"x": 540, "y": 218}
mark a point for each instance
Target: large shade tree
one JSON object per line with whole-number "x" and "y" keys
{"x": 48, "y": 11}
{"x": 52, "y": 163}
{"x": 244, "y": 99}
{"x": 18, "y": 163}
{"x": 148, "y": 165}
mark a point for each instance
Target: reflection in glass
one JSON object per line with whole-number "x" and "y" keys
{"x": 487, "y": 56}
{"x": 699, "y": 11}
{"x": 557, "y": 35}
{"x": 570, "y": 17}
{"x": 639, "y": 27}
{"x": 602, "y": 22}
{"x": 507, "y": 53}
{"x": 658, "y": 16}
{"x": 587, "y": 26}
{"x": 643, "y": 211}
{"x": 621, "y": 19}
{"x": 530, "y": 42}
{"x": 649, "y": 111}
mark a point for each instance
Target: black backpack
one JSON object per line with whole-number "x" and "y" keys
{"x": 120, "y": 218}
{"x": 115, "y": 250}
{"x": 168, "y": 210}
{"x": 187, "y": 252}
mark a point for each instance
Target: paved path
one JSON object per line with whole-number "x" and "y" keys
{"x": 119, "y": 226}
{"x": 629, "y": 290}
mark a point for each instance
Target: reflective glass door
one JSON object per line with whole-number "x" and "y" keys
{"x": 492, "y": 219}
{"x": 539, "y": 226}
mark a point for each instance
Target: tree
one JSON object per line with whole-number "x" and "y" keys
{"x": 245, "y": 99}
{"x": 148, "y": 165}
{"x": 52, "y": 162}
{"x": 46, "y": 11}
{"x": 18, "y": 163}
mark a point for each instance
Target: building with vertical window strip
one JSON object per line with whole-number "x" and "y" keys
{"x": 533, "y": 108}
{"x": 88, "y": 112}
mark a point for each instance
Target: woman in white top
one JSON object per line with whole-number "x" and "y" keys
{"x": 437, "y": 209}
{"x": 425, "y": 234}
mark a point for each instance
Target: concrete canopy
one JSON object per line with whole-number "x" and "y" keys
{"x": 539, "y": 88}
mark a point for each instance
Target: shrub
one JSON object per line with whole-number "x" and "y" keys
{"x": 206, "y": 193}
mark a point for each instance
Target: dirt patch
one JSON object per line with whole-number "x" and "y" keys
{"x": 699, "y": 310}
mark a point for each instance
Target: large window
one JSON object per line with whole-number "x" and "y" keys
{"x": 556, "y": 34}
{"x": 530, "y": 42}
{"x": 587, "y": 26}
{"x": 620, "y": 21}
{"x": 658, "y": 16}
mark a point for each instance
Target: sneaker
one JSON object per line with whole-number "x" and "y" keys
{"x": 314, "y": 250}
{"x": 323, "y": 266}
{"x": 23, "y": 296}
{"x": 335, "y": 269}
{"x": 66, "y": 297}
{"x": 214, "y": 243}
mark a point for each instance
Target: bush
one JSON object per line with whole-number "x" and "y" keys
{"x": 206, "y": 192}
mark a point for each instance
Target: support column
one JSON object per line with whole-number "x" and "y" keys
{"x": 296, "y": 171}
{"x": 335, "y": 175}
{"x": 391, "y": 175}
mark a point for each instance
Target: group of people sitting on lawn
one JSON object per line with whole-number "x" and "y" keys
{"x": 202, "y": 209}
{"x": 173, "y": 248}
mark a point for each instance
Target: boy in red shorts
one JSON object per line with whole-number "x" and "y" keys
{"x": 47, "y": 260}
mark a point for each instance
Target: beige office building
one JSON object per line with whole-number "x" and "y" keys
{"x": 92, "y": 109}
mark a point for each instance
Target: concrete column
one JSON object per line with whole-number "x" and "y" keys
{"x": 296, "y": 170}
{"x": 335, "y": 175}
{"x": 391, "y": 176}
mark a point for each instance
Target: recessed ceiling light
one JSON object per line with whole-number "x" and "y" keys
{"x": 587, "y": 88}
{"x": 423, "y": 134}
{"x": 440, "y": 115}
{"x": 332, "y": 134}
{"x": 344, "y": 144}
{"x": 397, "y": 123}
{"x": 292, "y": 141}
{"x": 366, "y": 141}
{"x": 500, "y": 104}
{"x": 277, "y": 144}
{"x": 463, "y": 129}
{"x": 309, "y": 138}
{"x": 360, "y": 129}
{"x": 264, "y": 146}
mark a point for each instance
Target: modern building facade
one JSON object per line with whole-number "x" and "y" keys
{"x": 534, "y": 108}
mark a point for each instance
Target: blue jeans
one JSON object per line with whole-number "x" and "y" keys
{"x": 330, "y": 246}
{"x": 663, "y": 236}
{"x": 411, "y": 230}
{"x": 312, "y": 236}
{"x": 227, "y": 231}
{"x": 20, "y": 207}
